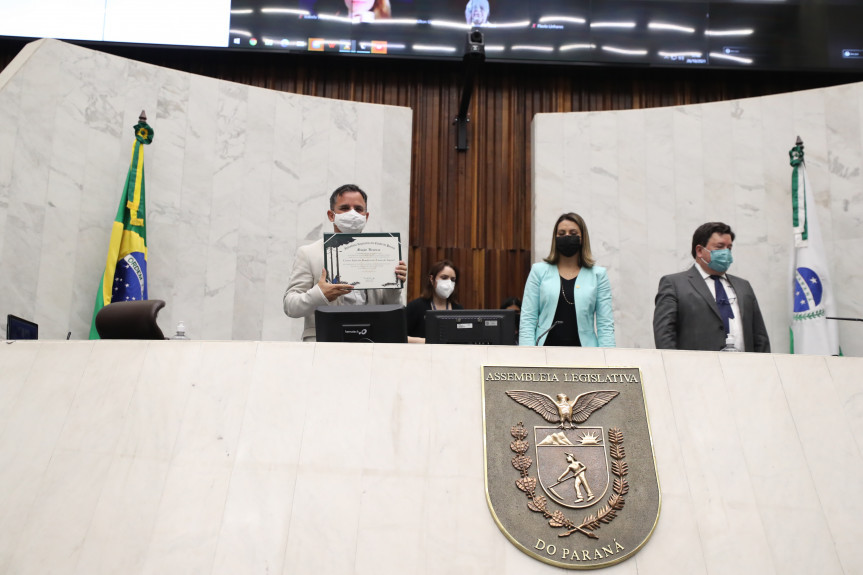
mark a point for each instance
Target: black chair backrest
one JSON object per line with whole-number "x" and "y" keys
{"x": 130, "y": 320}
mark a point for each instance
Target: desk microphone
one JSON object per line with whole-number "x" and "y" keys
{"x": 554, "y": 325}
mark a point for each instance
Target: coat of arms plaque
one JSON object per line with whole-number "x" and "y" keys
{"x": 570, "y": 473}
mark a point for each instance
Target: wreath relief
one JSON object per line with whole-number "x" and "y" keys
{"x": 539, "y": 503}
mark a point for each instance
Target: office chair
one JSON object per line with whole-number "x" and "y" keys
{"x": 130, "y": 320}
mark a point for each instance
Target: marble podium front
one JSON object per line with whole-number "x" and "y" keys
{"x": 257, "y": 457}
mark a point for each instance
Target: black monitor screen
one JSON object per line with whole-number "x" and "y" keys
{"x": 471, "y": 326}
{"x": 361, "y": 323}
{"x": 19, "y": 328}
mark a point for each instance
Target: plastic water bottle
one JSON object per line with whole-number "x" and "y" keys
{"x": 181, "y": 331}
{"x": 729, "y": 344}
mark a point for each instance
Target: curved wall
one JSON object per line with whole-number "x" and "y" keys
{"x": 236, "y": 178}
{"x": 645, "y": 179}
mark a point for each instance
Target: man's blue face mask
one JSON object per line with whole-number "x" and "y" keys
{"x": 720, "y": 260}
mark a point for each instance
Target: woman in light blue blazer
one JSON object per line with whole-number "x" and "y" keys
{"x": 566, "y": 293}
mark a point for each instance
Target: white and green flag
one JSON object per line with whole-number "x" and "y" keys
{"x": 812, "y": 290}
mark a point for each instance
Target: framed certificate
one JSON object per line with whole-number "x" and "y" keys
{"x": 365, "y": 261}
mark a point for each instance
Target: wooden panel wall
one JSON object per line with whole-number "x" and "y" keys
{"x": 472, "y": 207}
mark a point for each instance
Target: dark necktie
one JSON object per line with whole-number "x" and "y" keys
{"x": 725, "y": 310}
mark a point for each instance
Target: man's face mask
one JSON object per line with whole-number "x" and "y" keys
{"x": 350, "y": 222}
{"x": 720, "y": 260}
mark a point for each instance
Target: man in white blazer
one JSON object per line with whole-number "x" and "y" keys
{"x": 308, "y": 287}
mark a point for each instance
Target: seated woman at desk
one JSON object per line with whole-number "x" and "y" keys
{"x": 439, "y": 292}
{"x": 566, "y": 293}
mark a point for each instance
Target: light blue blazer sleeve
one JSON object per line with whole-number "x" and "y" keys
{"x": 530, "y": 324}
{"x": 592, "y": 304}
{"x": 594, "y": 298}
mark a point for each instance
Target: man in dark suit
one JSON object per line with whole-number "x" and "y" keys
{"x": 703, "y": 307}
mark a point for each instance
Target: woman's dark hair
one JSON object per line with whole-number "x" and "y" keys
{"x": 428, "y": 285}
{"x": 334, "y": 197}
{"x": 585, "y": 257}
{"x": 705, "y": 231}
{"x": 511, "y": 301}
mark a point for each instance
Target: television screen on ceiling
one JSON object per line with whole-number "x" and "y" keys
{"x": 760, "y": 34}
{"x": 756, "y": 34}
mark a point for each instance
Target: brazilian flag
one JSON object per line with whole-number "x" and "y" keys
{"x": 125, "y": 276}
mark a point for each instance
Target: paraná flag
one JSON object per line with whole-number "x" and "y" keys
{"x": 811, "y": 290}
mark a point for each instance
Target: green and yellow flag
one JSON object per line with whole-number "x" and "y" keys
{"x": 125, "y": 276}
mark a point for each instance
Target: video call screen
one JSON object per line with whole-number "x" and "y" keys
{"x": 758, "y": 34}
{"x": 762, "y": 34}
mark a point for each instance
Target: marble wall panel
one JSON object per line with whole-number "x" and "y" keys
{"x": 398, "y": 416}
{"x": 384, "y": 498}
{"x": 554, "y": 175}
{"x": 687, "y": 136}
{"x": 851, "y": 401}
{"x": 63, "y": 200}
{"x": 773, "y": 458}
{"x": 156, "y": 411}
{"x": 282, "y": 242}
{"x": 844, "y": 137}
{"x": 605, "y": 179}
{"x": 817, "y": 408}
{"x": 237, "y": 178}
{"x": 719, "y": 482}
{"x": 199, "y": 161}
{"x": 9, "y": 98}
{"x": 722, "y": 161}
{"x": 634, "y": 199}
{"x": 215, "y": 407}
{"x": 15, "y": 366}
{"x": 36, "y": 417}
{"x": 59, "y": 519}
{"x": 249, "y": 297}
{"x": 717, "y": 133}
{"x": 256, "y": 522}
{"x": 186, "y": 531}
{"x": 275, "y": 412}
{"x": 172, "y": 108}
{"x": 397, "y": 135}
{"x": 97, "y": 416}
{"x": 661, "y": 241}
{"x": 227, "y": 204}
{"x": 132, "y": 488}
{"x": 844, "y": 266}
{"x": 190, "y": 468}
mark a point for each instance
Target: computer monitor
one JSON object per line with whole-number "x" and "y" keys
{"x": 363, "y": 323}
{"x": 472, "y": 326}
{"x": 20, "y": 328}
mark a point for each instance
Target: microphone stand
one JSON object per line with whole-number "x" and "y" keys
{"x": 554, "y": 325}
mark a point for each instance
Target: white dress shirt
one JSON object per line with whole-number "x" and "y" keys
{"x": 735, "y": 325}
